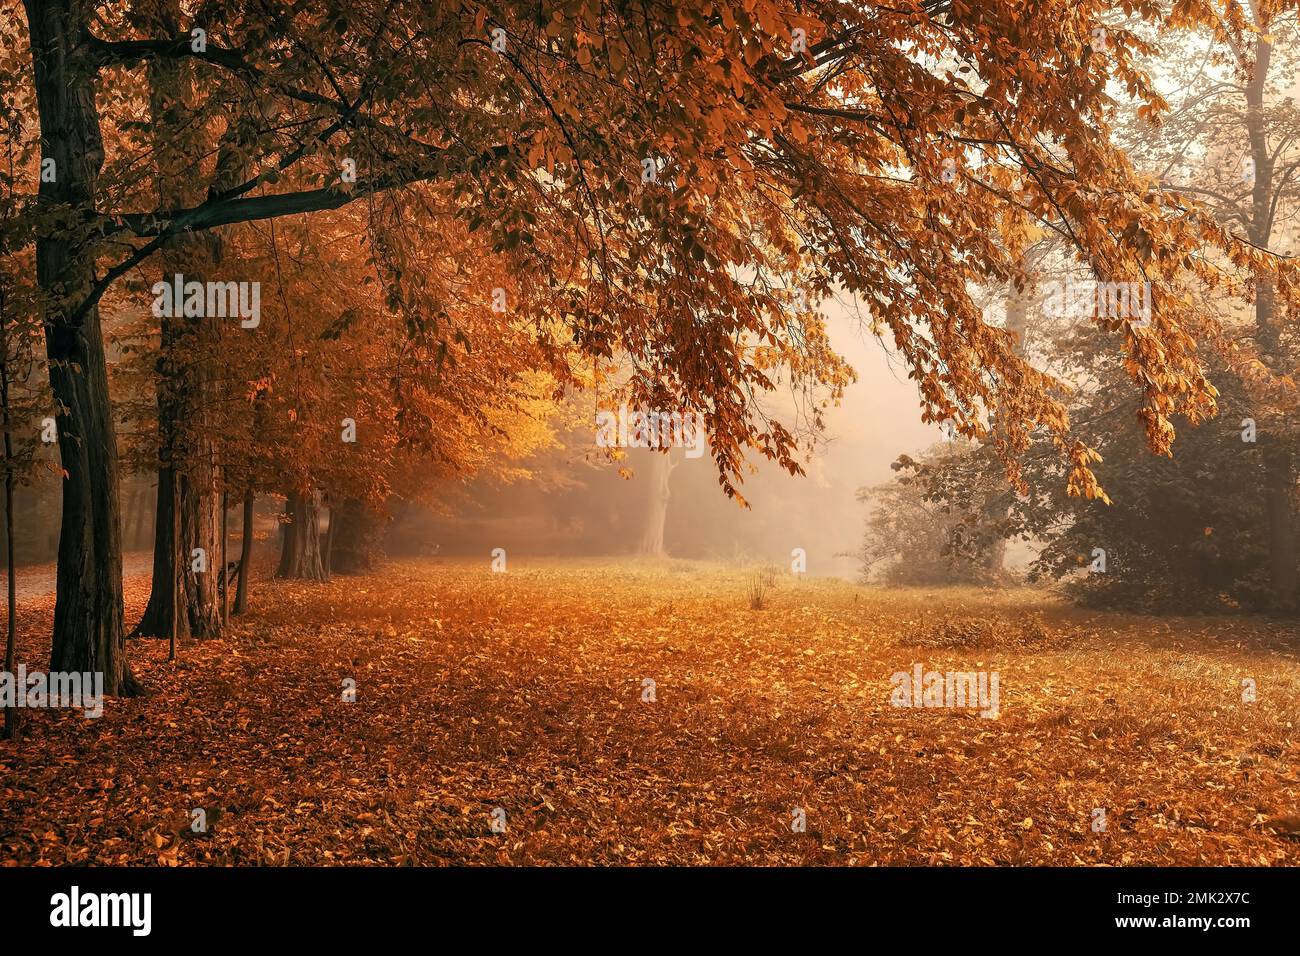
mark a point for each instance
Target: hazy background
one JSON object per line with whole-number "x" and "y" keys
{"x": 879, "y": 418}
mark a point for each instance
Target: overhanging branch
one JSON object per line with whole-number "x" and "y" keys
{"x": 161, "y": 225}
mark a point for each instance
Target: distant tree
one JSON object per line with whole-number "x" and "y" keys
{"x": 914, "y": 535}
{"x": 1188, "y": 532}
{"x": 1232, "y": 140}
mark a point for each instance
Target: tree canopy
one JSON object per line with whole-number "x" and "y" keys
{"x": 540, "y": 189}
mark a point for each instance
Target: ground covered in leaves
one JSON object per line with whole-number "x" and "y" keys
{"x": 527, "y": 691}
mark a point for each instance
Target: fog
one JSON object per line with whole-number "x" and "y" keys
{"x": 878, "y": 419}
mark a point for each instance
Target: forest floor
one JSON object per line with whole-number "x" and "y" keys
{"x": 525, "y": 692}
{"x": 40, "y": 580}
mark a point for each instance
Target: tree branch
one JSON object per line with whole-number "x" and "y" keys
{"x": 163, "y": 224}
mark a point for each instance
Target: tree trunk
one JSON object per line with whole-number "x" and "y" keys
{"x": 300, "y": 555}
{"x": 143, "y": 534}
{"x": 225, "y": 564}
{"x": 185, "y": 449}
{"x": 1279, "y": 499}
{"x": 137, "y": 516}
{"x": 659, "y": 470}
{"x": 357, "y": 544}
{"x": 288, "y": 540}
{"x": 245, "y": 555}
{"x": 12, "y": 714}
{"x": 88, "y": 633}
{"x": 11, "y": 639}
{"x": 1017, "y": 306}
{"x": 200, "y": 613}
{"x": 327, "y": 551}
{"x": 1279, "y": 463}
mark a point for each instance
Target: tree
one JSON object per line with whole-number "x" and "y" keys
{"x": 1231, "y": 141}
{"x": 659, "y": 471}
{"x": 88, "y": 610}
{"x": 21, "y": 399}
{"x": 187, "y": 503}
{"x": 663, "y": 183}
{"x": 1182, "y": 533}
{"x": 924, "y": 532}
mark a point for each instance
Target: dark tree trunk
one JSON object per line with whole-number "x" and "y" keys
{"x": 300, "y": 555}
{"x": 88, "y": 633}
{"x": 1279, "y": 499}
{"x": 11, "y": 634}
{"x": 357, "y": 535}
{"x": 157, "y": 619}
{"x": 184, "y": 392}
{"x": 11, "y": 638}
{"x": 225, "y": 565}
{"x": 245, "y": 555}
{"x": 200, "y": 617}
{"x": 288, "y": 540}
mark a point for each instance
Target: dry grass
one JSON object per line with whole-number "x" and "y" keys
{"x": 524, "y": 691}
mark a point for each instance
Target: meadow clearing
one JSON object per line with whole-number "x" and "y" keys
{"x": 508, "y": 718}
